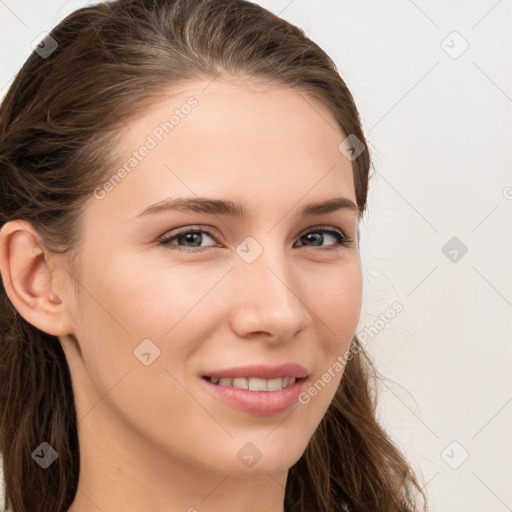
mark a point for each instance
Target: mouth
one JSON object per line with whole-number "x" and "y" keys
{"x": 255, "y": 383}
{"x": 255, "y": 395}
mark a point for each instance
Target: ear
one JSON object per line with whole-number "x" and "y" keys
{"x": 29, "y": 279}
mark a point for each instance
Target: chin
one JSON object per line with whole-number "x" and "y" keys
{"x": 268, "y": 459}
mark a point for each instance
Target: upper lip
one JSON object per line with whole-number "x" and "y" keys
{"x": 262, "y": 371}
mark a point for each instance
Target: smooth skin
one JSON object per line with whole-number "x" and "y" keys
{"x": 151, "y": 438}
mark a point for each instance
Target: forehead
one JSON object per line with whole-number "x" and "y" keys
{"x": 232, "y": 138}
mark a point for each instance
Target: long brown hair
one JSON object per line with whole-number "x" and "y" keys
{"x": 58, "y": 127}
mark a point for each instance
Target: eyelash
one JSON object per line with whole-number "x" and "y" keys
{"x": 341, "y": 239}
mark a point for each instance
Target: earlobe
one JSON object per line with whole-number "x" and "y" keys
{"x": 29, "y": 279}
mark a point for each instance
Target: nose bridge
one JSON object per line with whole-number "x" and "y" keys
{"x": 267, "y": 295}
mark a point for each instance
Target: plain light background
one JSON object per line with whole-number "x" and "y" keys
{"x": 433, "y": 84}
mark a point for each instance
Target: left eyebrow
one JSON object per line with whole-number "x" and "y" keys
{"x": 237, "y": 210}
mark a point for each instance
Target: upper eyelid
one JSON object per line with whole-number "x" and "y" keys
{"x": 194, "y": 228}
{"x": 198, "y": 227}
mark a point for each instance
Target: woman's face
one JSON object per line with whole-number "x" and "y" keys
{"x": 154, "y": 319}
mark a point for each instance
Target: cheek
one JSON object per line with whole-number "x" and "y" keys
{"x": 335, "y": 300}
{"x": 146, "y": 297}
{"x": 124, "y": 305}
{"x": 341, "y": 303}
{"x": 131, "y": 301}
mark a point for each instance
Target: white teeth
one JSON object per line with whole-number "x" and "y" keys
{"x": 240, "y": 383}
{"x": 273, "y": 384}
{"x": 255, "y": 383}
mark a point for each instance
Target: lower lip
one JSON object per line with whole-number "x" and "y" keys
{"x": 258, "y": 403}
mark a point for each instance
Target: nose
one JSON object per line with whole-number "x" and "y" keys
{"x": 267, "y": 298}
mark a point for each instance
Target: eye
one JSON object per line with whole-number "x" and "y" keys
{"x": 315, "y": 235}
{"x": 194, "y": 236}
{"x": 335, "y": 233}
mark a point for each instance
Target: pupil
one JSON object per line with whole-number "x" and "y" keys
{"x": 189, "y": 235}
{"x": 318, "y": 239}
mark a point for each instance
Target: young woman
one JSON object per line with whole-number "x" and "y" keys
{"x": 181, "y": 185}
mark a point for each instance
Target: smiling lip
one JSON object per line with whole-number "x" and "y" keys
{"x": 258, "y": 403}
{"x": 261, "y": 371}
